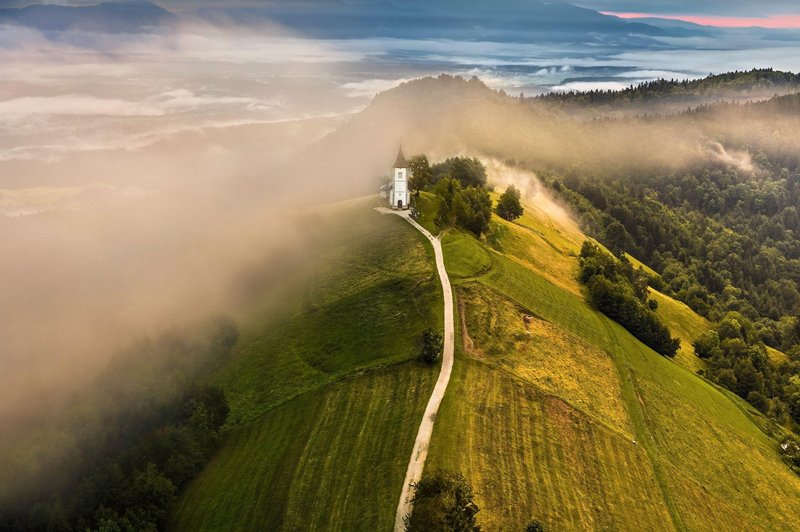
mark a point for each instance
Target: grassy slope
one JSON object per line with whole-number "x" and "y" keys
{"x": 683, "y": 323}
{"x": 333, "y": 458}
{"x": 324, "y": 405}
{"x": 531, "y": 435}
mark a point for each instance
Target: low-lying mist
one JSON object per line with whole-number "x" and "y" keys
{"x": 144, "y": 187}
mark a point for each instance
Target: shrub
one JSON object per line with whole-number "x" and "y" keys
{"x": 535, "y": 526}
{"x": 443, "y": 501}
{"x": 431, "y": 346}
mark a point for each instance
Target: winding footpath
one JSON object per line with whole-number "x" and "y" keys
{"x": 420, "y": 452}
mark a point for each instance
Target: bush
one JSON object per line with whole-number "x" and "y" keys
{"x": 443, "y": 501}
{"x": 431, "y": 346}
{"x": 535, "y": 526}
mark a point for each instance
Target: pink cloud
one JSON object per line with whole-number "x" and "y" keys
{"x": 771, "y": 21}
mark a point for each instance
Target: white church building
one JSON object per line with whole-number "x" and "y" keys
{"x": 396, "y": 191}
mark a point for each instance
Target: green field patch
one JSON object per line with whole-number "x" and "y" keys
{"x": 683, "y": 323}
{"x": 368, "y": 293}
{"x": 542, "y": 353}
{"x": 736, "y": 470}
{"x": 464, "y": 256}
{"x": 324, "y": 403}
{"x": 693, "y": 438}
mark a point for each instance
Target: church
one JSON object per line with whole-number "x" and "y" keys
{"x": 397, "y": 190}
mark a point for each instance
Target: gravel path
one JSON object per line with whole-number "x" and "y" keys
{"x": 420, "y": 451}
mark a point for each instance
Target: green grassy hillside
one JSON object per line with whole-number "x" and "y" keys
{"x": 569, "y": 419}
{"x": 324, "y": 401}
{"x": 333, "y": 458}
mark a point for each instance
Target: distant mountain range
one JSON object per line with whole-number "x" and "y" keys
{"x": 108, "y": 17}
{"x": 508, "y": 21}
{"x": 514, "y": 20}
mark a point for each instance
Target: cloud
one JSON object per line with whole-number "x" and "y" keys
{"x": 184, "y": 99}
{"x": 706, "y": 7}
{"x": 76, "y": 104}
{"x": 371, "y": 87}
{"x": 782, "y": 21}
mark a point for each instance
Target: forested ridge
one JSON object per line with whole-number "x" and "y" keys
{"x": 730, "y": 84}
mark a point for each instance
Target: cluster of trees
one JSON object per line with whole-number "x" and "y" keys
{"x": 127, "y": 445}
{"x": 469, "y": 208}
{"x": 620, "y": 292}
{"x": 721, "y": 241}
{"x": 470, "y": 172}
{"x": 460, "y": 183}
{"x": 737, "y": 359}
{"x": 725, "y": 241}
{"x": 443, "y": 501}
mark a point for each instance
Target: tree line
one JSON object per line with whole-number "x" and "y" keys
{"x": 621, "y": 293}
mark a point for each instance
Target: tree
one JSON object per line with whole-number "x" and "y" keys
{"x": 431, "y": 346}
{"x": 707, "y": 345}
{"x": 618, "y": 238}
{"x": 726, "y": 378}
{"x": 475, "y": 210}
{"x": 509, "y": 207}
{"x": 148, "y": 497}
{"x": 449, "y": 190}
{"x": 758, "y": 400}
{"x": 421, "y": 173}
{"x": 468, "y": 172}
{"x": 443, "y": 501}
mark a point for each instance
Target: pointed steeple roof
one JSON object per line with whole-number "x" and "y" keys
{"x": 400, "y": 162}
